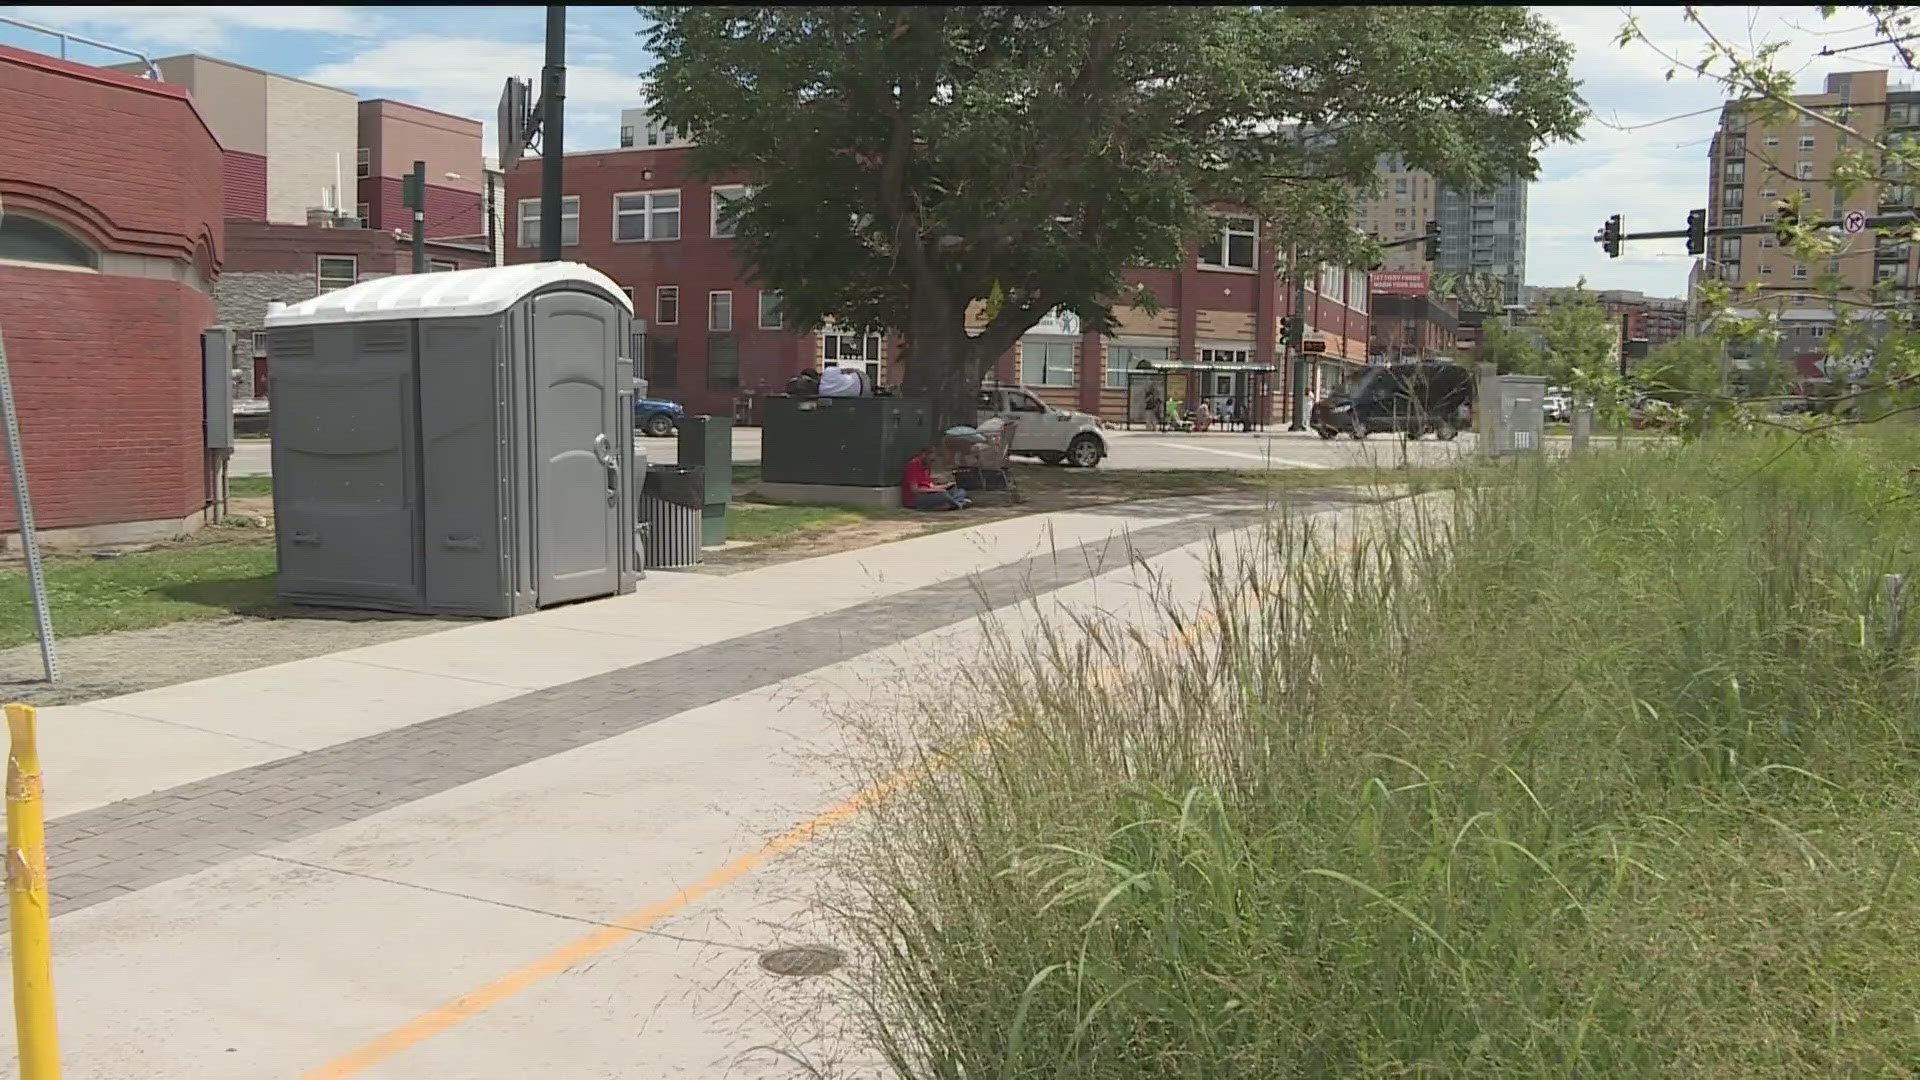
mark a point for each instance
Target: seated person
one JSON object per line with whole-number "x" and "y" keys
{"x": 805, "y": 384}
{"x": 837, "y": 381}
{"x": 920, "y": 490}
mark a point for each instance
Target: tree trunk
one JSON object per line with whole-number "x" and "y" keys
{"x": 943, "y": 364}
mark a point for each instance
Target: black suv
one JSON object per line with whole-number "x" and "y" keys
{"x": 1414, "y": 399}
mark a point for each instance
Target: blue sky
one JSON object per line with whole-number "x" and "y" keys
{"x": 455, "y": 59}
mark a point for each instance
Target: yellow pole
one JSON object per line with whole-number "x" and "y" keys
{"x": 28, "y": 919}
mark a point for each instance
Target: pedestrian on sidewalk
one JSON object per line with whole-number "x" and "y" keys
{"x": 921, "y": 490}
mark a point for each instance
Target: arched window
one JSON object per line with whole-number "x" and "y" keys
{"x": 30, "y": 240}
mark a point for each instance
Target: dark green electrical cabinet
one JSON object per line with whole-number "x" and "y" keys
{"x": 848, "y": 442}
{"x": 706, "y": 443}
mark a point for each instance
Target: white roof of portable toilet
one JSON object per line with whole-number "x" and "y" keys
{"x": 451, "y": 294}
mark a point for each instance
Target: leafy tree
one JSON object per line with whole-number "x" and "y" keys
{"x": 1510, "y": 350}
{"x": 1578, "y": 340}
{"x": 1683, "y": 370}
{"x": 909, "y": 162}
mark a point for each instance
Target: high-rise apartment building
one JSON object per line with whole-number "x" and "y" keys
{"x": 1480, "y": 232}
{"x": 1756, "y": 164}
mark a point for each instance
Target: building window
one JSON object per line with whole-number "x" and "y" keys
{"x": 1769, "y": 193}
{"x": 1733, "y": 219}
{"x": 726, "y": 209}
{"x": 364, "y": 212}
{"x": 1046, "y": 363}
{"x": 1729, "y": 247}
{"x": 1766, "y": 269}
{"x": 1730, "y": 272}
{"x": 723, "y": 361}
{"x": 660, "y": 135}
{"x": 1224, "y": 356}
{"x": 769, "y": 309}
{"x": 1736, "y": 173}
{"x": 336, "y": 272}
{"x": 646, "y": 215}
{"x": 1806, "y": 120}
{"x": 30, "y": 240}
{"x": 1124, "y": 358}
{"x": 1233, "y": 247}
{"x": 662, "y": 363}
{"x": 362, "y": 163}
{"x": 259, "y": 344}
{"x": 626, "y": 136}
{"x": 1799, "y": 272}
{"x": 569, "y": 222}
{"x": 846, "y": 348}
{"x": 1766, "y": 241}
{"x": 1733, "y": 197}
{"x": 1806, "y": 143}
{"x": 438, "y": 266}
{"x": 666, "y": 305}
{"x": 720, "y": 310}
{"x": 1771, "y": 140}
{"x": 1806, "y": 170}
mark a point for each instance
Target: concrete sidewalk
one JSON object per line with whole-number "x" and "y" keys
{"x": 576, "y": 858}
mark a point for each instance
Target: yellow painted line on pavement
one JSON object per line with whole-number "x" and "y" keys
{"x": 424, "y": 1027}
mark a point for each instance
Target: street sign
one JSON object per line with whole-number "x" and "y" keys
{"x": 1313, "y": 345}
{"x": 1855, "y": 221}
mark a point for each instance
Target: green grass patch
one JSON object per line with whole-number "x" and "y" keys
{"x": 249, "y": 487}
{"x": 765, "y": 523}
{"x": 142, "y": 589}
{"x": 1609, "y": 769}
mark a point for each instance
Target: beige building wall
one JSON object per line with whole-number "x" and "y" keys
{"x": 312, "y": 133}
{"x": 1406, "y": 200}
{"x": 397, "y": 134}
{"x": 1754, "y": 166}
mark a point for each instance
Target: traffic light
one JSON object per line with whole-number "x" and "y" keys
{"x": 1611, "y": 234}
{"x": 1291, "y": 330}
{"x": 1433, "y": 241}
{"x": 1696, "y": 232}
{"x": 410, "y": 193}
{"x": 1785, "y": 217}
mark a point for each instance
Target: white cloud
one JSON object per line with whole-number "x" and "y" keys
{"x": 1653, "y": 175}
{"x": 464, "y": 76}
{"x": 163, "y": 29}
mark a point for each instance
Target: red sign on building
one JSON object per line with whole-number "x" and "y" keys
{"x": 1397, "y": 282}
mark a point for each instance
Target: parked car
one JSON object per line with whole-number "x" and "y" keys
{"x": 656, "y": 417}
{"x": 1055, "y": 436}
{"x": 1413, "y": 399}
{"x": 1558, "y": 407}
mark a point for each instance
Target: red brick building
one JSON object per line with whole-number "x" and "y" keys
{"x": 1409, "y": 322}
{"x": 715, "y": 336}
{"x": 109, "y": 248}
{"x": 393, "y": 135}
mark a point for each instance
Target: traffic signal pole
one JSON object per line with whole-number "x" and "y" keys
{"x": 553, "y": 94}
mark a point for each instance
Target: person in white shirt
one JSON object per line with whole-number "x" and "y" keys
{"x": 837, "y": 381}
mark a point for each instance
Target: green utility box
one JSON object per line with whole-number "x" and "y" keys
{"x": 842, "y": 441}
{"x": 706, "y": 443}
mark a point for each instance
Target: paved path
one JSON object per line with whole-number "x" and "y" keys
{"x": 1131, "y": 450}
{"x": 552, "y": 844}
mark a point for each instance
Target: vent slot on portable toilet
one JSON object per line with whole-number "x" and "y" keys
{"x": 296, "y": 344}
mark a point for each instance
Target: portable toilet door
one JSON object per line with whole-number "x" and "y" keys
{"x": 577, "y": 396}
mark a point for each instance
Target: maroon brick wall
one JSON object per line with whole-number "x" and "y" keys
{"x": 108, "y": 368}
{"x": 255, "y": 247}
{"x": 450, "y": 212}
{"x": 245, "y": 176}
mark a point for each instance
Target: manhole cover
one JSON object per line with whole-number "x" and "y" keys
{"x": 802, "y": 961}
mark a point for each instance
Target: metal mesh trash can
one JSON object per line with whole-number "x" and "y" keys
{"x": 671, "y": 504}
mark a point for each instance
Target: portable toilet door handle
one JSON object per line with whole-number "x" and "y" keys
{"x": 603, "y": 449}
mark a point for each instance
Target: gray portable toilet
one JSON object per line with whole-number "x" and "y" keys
{"x": 455, "y": 443}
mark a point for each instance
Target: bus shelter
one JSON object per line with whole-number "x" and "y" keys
{"x": 1152, "y": 383}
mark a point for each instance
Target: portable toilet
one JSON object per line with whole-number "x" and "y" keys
{"x": 455, "y": 443}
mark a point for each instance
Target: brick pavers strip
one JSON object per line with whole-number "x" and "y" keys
{"x": 109, "y": 851}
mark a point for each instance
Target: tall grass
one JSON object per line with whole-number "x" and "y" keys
{"x": 1606, "y": 770}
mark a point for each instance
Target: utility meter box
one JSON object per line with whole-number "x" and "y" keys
{"x": 1518, "y": 415}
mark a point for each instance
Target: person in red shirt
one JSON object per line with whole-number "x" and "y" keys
{"x": 920, "y": 491}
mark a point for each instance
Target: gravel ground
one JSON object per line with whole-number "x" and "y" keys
{"x": 108, "y": 665}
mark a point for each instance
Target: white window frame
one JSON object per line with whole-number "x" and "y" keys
{"x": 362, "y": 163}
{"x": 365, "y": 212}
{"x": 1226, "y": 236}
{"x": 1118, "y": 349}
{"x": 320, "y": 278}
{"x": 1772, "y": 140}
{"x": 1226, "y": 354}
{"x": 259, "y": 344}
{"x": 441, "y": 266}
{"x": 1049, "y": 373}
{"x": 1804, "y": 169}
{"x": 1806, "y": 143}
{"x": 713, "y": 310}
{"x": 626, "y": 136}
{"x": 649, "y": 214}
{"x": 1799, "y": 271}
{"x": 715, "y": 201}
{"x": 523, "y": 222}
{"x": 660, "y": 295}
{"x": 779, "y": 314}
{"x": 873, "y": 349}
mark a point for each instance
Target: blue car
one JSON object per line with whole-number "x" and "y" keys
{"x": 656, "y": 417}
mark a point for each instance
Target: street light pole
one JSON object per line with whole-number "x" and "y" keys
{"x": 553, "y": 93}
{"x": 1296, "y": 334}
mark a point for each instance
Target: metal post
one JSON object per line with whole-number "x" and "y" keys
{"x": 23, "y": 512}
{"x": 28, "y": 919}
{"x": 420, "y": 217}
{"x": 553, "y": 95}
{"x": 1297, "y": 409}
